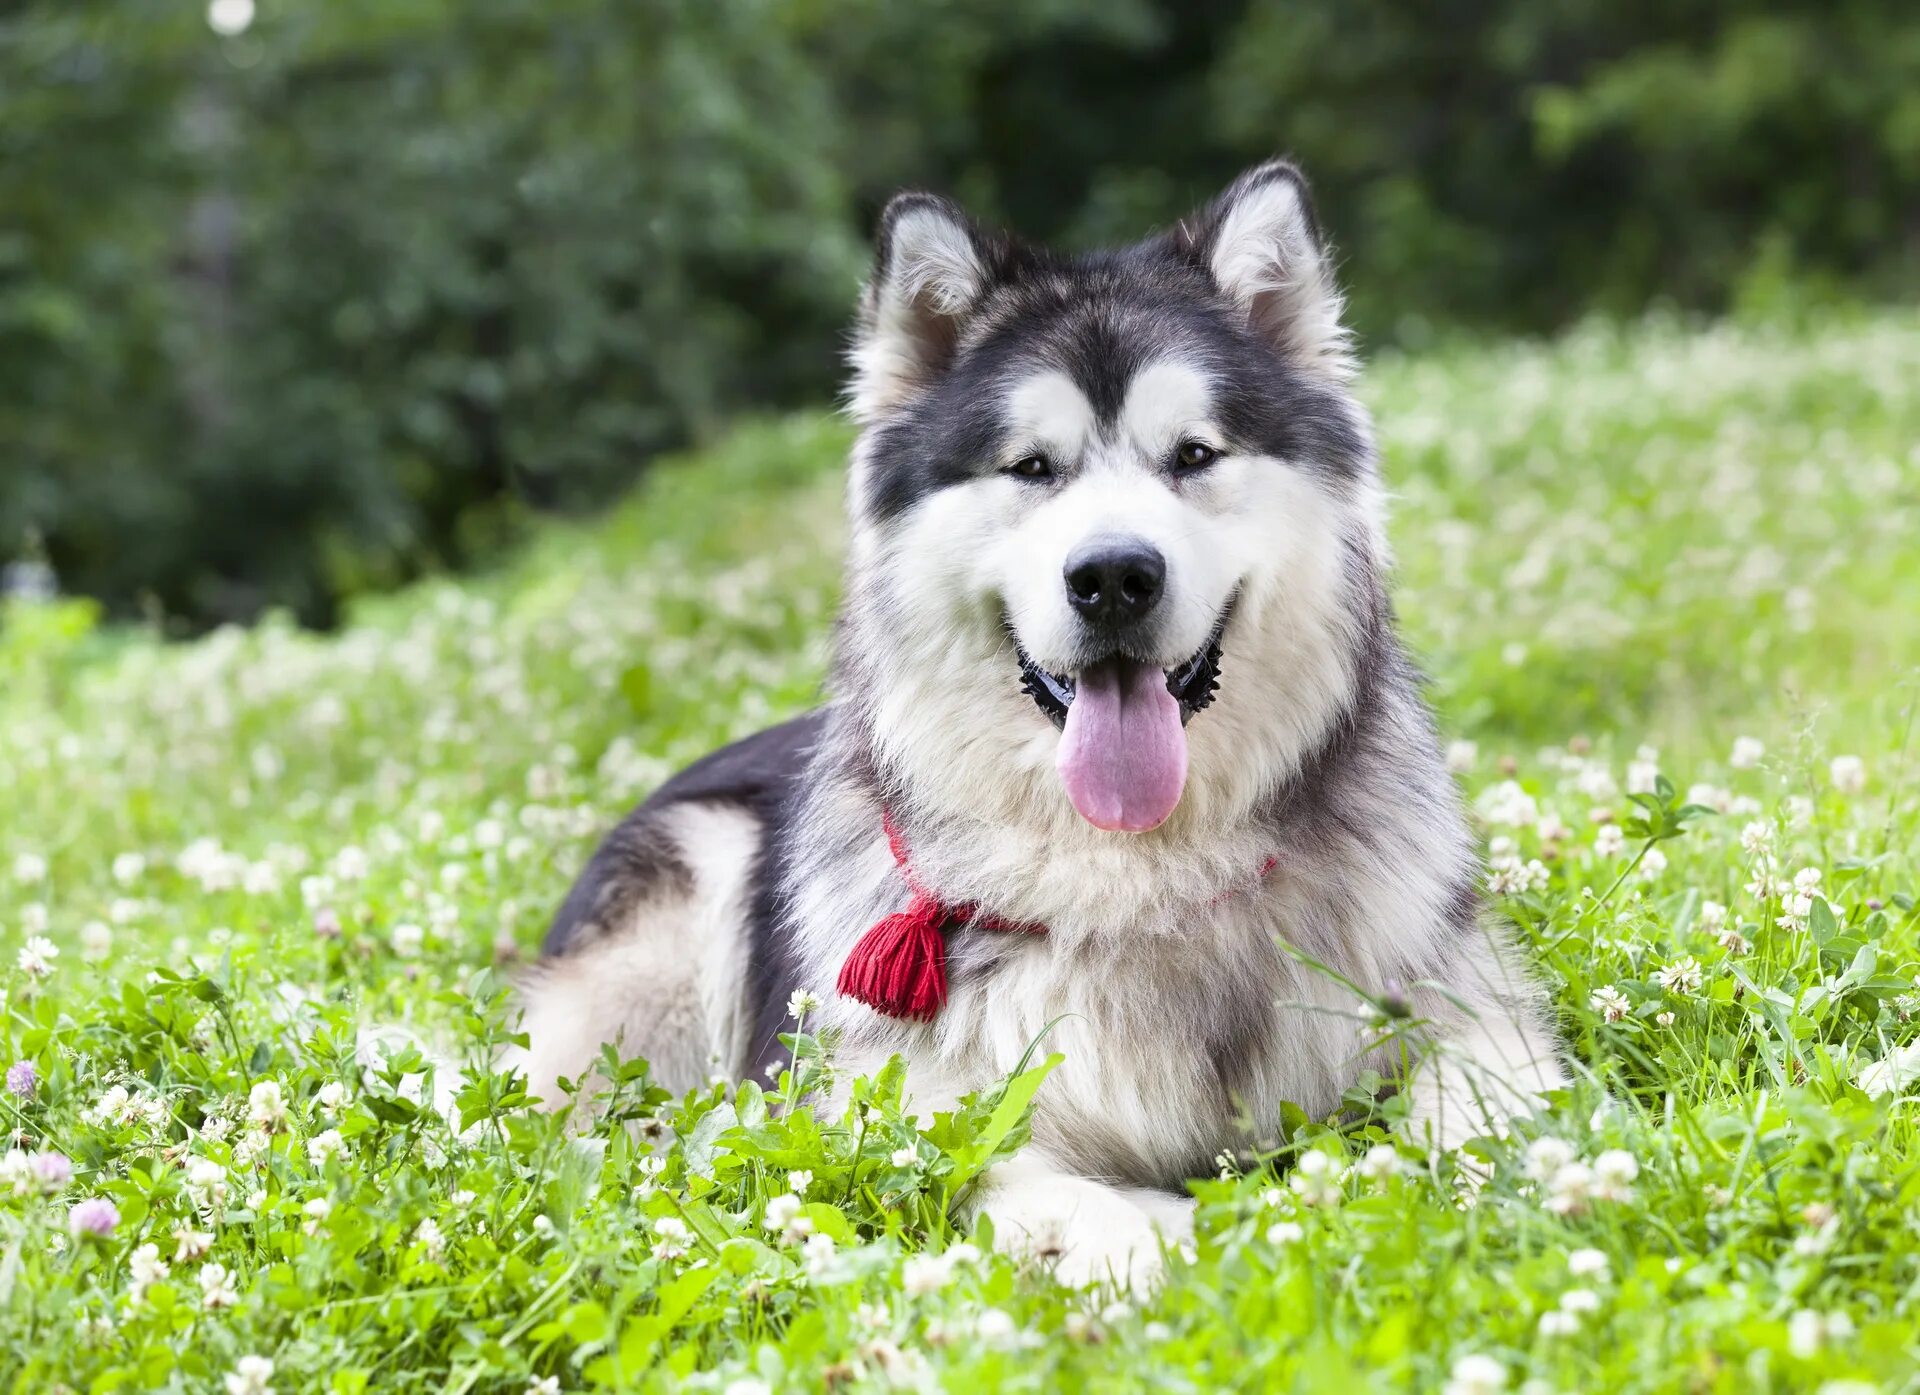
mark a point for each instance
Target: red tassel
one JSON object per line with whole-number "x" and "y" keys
{"x": 899, "y": 967}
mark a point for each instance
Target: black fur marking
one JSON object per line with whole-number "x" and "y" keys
{"x": 637, "y": 862}
{"x": 760, "y": 774}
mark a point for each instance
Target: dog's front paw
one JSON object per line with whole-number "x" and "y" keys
{"x": 1088, "y": 1233}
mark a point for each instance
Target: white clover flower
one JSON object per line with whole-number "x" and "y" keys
{"x": 429, "y": 1234}
{"x": 323, "y": 1146}
{"x": 1652, "y": 864}
{"x": 802, "y": 1003}
{"x": 331, "y": 1095}
{"x": 408, "y": 940}
{"x": 1663, "y": 1019}
{"x": 1556, "y": 1323}
{"x": 1570, "y": 1189}
{"x": 1849, "y": 774}
{"x": 116, "y": 1106}
{"x": 1461, "y": 756}
{"x": 1314, "y": 1181}
{"x": 250, "y": 1376}
{"x": 1609, "y": 1002}
{"x": 783, "y": 1215}
{"x": 1508, "y": 805}
{"x": 672, "y": 1238}
{"x": 129, "y": 867}
{"x": 1579, "y": 1300}
{"x": 1746, "y": 753}
{"x": 1595, "y": 782}
{"x": 1476, "y": 1375}
{"x": 1642, "y": 773}
{"x": 1799, "y": 810}
{"x": 1796, "y": 902}
{"x": 96, "y": 941}
{"x": 1546, "y": 1156}
{"x": 962, "y": 1253}
{"x": 1712, "y": 916}
{"x": 996, "y": 1329}
{"x": 29, "y": 869}
{"x": 1609, "y": 840}
{"x": 145, "y": 1268}
{"x": 1510, "y": 877}
{"x": 1588, "y": 1264}
{"x": 1614, "y": 1172}
{"x": 1682, "y": 977}
{"x": 1806, "y": 1331}
{"x": 924, "y": 1274}
{"x": 206, "y": 1184}
{"x": 36, "y": 956}
{"x": 817, "y": 1254}
{"x": 1381, "y": 1164}
{"x": 267, "y": 1106}
{"x": 905, "y": 1157}
{"x": 747, "y": 1385}
{"x": 216, "y": 1287}
{"x": 543, "y": 1385}
{"x": 1284, "y": 1233}
{"x": 798, "y": 1182}
{"x": 1551, "y": 828}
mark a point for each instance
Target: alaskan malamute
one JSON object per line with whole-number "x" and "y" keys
{"x": 1120, "y": 738}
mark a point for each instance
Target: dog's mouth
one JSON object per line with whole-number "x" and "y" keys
{"x": 1192, "y": 684}
{"x": 1123, "y": 742}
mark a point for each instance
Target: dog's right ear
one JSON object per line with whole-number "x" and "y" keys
{"x": 1261, "y": 244}
{"x": 929, "y": 272}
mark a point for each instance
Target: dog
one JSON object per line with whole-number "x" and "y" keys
{"x": 1120, "y": 741}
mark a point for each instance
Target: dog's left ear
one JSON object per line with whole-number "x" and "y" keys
{"x": 930, "y": 268}
{"x": 1261, "y": 244}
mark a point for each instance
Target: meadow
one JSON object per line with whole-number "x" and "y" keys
{"x": 1666, "y": 584}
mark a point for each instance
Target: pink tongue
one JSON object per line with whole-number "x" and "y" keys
{"x": 1123, "y": 755}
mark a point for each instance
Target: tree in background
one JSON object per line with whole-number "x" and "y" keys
{"x": 303, "y": 309}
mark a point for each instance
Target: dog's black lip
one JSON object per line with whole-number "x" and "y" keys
{"x": 1194, "y": 682}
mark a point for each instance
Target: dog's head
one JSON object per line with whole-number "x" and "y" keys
{"x": 1108, "y": 510}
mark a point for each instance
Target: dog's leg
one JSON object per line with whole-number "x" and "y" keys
{"x": 1088, "y": 1231}
{"x": 660, "y": 969}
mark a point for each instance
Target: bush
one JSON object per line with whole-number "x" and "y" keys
{"x": 304, "y": 311}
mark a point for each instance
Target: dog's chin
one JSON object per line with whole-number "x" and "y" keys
{"x": 1122, "y": 756}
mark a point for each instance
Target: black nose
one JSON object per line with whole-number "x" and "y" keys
{"x": 1111, "y": 581}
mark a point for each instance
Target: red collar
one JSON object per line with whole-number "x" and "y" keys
{"x": 899, "y": 967}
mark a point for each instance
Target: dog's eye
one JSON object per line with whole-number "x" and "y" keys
{"x": 1031, "y": 467}
{"x": 1194, "y": 455}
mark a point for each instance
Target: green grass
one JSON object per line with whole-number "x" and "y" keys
{"x": 1649, "y": 539}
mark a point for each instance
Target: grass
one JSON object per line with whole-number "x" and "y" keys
{"x": 1619, "y": 553}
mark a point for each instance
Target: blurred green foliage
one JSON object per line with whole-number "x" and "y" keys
{"x": 302, "y": 311}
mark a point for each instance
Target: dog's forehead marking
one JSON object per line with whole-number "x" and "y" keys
{"x": 1048, "y": 407}
{"x": 1165, "y": 398}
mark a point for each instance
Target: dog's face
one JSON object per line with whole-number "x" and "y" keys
{"x": 1093, "y": 494}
